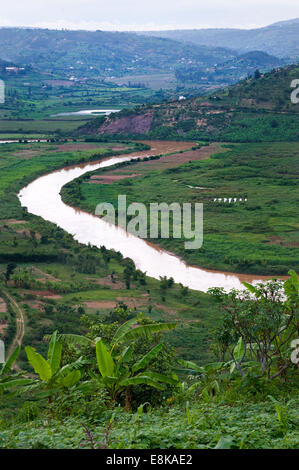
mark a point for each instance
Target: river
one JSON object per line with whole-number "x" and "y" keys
{"x": 42, "y": 198}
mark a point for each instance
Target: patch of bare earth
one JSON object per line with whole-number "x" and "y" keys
{"x": 168, "y": 161}
{"x": 3, "y": 306}
{"x": 106, "y": 179}
{"x": 105, "y": 304}
{"x": 27, "y": 154}
{"x": 108, "y": 282}
{"x": 3, "y": 327}
{"x": 100, "y": 304}
{"x": 275, "y": 240}
{"x": 45, "y": 293}
{"x": 13, "y": 222}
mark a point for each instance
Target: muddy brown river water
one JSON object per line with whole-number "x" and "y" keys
{"x": 42, "y": 198}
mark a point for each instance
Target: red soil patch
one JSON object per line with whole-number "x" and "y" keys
{"x": 139, "y": 124}
{"x": 107, "y": 281}
{"x": 3, "y": 327}
{"x": 3, "y": 306}
{"x": 45, "y": 293}
{"x": 117, "y": 149}
{"x": 130, "y": 302}
{"x": 279, "y": 241}
{"x": 100, "y": 304}
{"x": 13, "y": 221}
{"x": 106, "y": 179}
{"x": 27, "y": 154}
{"x": 168, "y": 161}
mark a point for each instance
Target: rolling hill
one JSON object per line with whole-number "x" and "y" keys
{"x": 94, "y": 54}
{"x": 231, "y": 71}
{"x": 255, "y": 110}
{"x": 279, "y": 39}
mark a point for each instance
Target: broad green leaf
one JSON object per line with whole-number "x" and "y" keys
{"x": 162, "y": 378}
{"x": 15, "y": 383}
{"x": 146, "y": 331}
{"x": 291, "y": 285}
{"x": 145, "y": 360}
{"x": 7, "y": 366}
{"x": 71, "y": 379}
{"x": 54, "y": 353}
{"x": 141, "y": 380}
{"x": 104, "y": 359}
{"x": 191, "y": 366}
{"x": 39, "y": 364}
{"x": 239, "y": 350}
{"x": 76, "y": 365}
{"x": 225, "y": 443}
{"x": 251, "y": 288}
{"x": 127, "y": 353}
{"x": 123, "y": 329}
{"x": 76, "y": 340}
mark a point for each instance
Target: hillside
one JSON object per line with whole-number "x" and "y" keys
{"x": 256, "y": 109}
{"x": 280, "y": 39}
{"x": 94, "y": 54}
{"x": 230, "y": 72}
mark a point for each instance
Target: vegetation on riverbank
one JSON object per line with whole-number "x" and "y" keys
{"x": 257, "y": 235}
{"x": 55, "y": 280}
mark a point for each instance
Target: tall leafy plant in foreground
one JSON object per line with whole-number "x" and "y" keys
{"x": 9, "y": 380}
{"x": 52, "y": 375}
{"x": 119, "y": 372}
{"x": 266, "y": 320}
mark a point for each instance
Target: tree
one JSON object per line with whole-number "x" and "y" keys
{"x": 265, "y": 319}
{"x": 9, "y": 271}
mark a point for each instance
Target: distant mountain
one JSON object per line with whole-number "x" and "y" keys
{"x": 258, "y": 59}
{"x": 256, "y": 109}
{"x": 279, "y": 39}
{"x": 90, "y": 54}
{"x": 231, "y": 71}
{"x": 5, "y": 63}
{"x": 286, "y": 22}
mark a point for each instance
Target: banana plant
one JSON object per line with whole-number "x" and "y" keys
{"x": 208, "y": 383}
{"x": 8, "y": 381}
{"x": 52, "y": 376}
{"x": 128, "y": 331}
{"x": 117, "y": 376}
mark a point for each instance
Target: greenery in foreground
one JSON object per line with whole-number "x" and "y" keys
{"x": 258, "y": 236}
{"x": 72, "y": 271}
{"x": 119, "y": 386}
{"x": 55, "y": 280}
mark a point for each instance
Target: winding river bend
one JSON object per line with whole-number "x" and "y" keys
{"x": 42, "y": 198}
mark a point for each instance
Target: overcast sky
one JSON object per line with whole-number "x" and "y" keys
{"x": 145, "y": 14}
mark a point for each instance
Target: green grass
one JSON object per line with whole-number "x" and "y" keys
{"x": 38, "y": 127}
{"x": 196, "y": 314}
{"x": 259, "y": 237}
{"x": 243, "y": 425}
